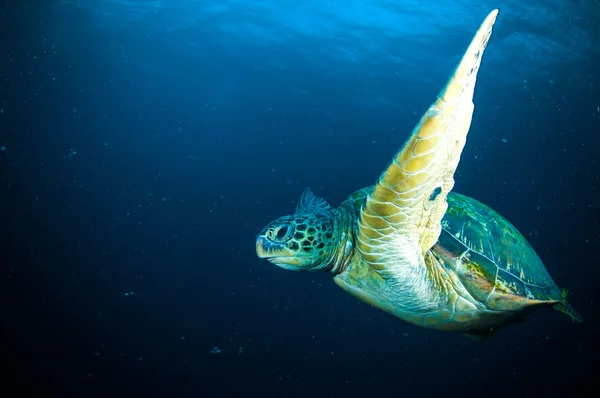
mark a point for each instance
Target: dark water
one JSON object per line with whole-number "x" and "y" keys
{"x": 146, "y": 143}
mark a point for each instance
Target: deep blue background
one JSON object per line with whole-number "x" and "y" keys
{"x": 146, "y": 143}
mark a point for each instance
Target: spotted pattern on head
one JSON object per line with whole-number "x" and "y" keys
{"x": 300, "y": 234}
{"x": 305, "y": 240}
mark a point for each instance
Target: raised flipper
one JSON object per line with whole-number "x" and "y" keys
{"x": 401, "y": 218}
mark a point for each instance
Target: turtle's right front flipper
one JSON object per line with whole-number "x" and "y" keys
{"x": 405, "y": 208}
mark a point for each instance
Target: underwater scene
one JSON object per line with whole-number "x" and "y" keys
{"x": 279, "y": 198}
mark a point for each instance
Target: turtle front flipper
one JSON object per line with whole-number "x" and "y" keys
{"x": 401, "y": 218}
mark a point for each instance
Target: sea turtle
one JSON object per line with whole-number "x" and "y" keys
{"x": 409, "y": 246}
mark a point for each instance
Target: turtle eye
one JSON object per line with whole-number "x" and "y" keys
{"x": 281, "y": 233}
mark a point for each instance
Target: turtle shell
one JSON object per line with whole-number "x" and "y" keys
{"x": 492, "y": 258}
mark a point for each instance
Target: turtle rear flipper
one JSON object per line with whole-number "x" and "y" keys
{"x": 568, "y": 309}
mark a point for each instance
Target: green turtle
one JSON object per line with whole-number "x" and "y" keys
{"x": 409, "y": 246}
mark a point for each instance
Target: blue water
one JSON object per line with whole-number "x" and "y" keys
{"x": 144, "y": 144}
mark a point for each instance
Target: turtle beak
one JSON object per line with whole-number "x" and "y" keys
{"x": 260, "y": 248}
{"x": 275, "y": 254}
{"x": 267, "y": 250}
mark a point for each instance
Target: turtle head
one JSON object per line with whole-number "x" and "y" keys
{"x": 303, "y": 241}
